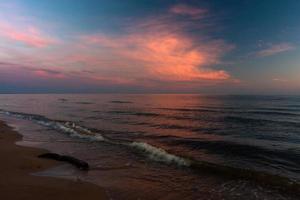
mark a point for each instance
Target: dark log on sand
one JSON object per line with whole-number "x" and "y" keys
{"x": 82, "y": 165}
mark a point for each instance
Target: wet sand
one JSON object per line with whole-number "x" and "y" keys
{"x": 16, "y": 182}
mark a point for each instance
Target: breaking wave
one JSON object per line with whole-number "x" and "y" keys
{"x": 159, "y": 154}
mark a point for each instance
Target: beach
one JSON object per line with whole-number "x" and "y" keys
{"x": 17, "y": 165}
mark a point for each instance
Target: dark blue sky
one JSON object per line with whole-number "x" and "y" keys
{"x": 232, "y": 46}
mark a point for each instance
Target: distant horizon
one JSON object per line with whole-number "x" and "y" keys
{"x": 119, "y": 93}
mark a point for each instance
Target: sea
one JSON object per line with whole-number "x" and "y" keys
{"x": 167, "y": 146}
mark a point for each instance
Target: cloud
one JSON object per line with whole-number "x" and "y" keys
{"x": 46, "y": 73}
{"x": 151, "y": 52}
{"x": 186, "y": 10}
{"x": 30, "y": 35}
{"x": 15, "y": 28}
{"x": 164, "y": 56}
{"x": 275, "y": 49}
{"x": 15, "y": 68}
{"x": 281, "y": 80}
{"x": 157, "y": 51}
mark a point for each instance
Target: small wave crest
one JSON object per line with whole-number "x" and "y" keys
{"x": 70, "y": 128}
{"x": 78, "y": 131}
{"x": 159, "y": 154}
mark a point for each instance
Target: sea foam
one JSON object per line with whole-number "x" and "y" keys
{"x": 70, "y": 128}
{"x": 159, "y": 154}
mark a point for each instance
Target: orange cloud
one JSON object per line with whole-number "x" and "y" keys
{"x": 164, "y": 56}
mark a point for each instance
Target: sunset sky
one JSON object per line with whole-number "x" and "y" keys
{"x": 150, "y": 46}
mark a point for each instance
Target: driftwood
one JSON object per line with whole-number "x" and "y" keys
{"x": 82, "y": 165}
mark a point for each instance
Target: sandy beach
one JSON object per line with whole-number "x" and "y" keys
{"x": 16, "y": 181}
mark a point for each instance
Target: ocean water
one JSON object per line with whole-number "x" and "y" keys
{"x": 168, "y": 146}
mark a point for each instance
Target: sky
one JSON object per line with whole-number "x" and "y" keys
{"x": 150, "y": 46}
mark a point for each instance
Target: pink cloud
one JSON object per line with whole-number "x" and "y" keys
{"x": 182, "y": 9}
{"x": 46, "y": 73}
{"x": 30, "y": 36}
{"x": 54, "y": 73}
{"x": 275, "y": 49}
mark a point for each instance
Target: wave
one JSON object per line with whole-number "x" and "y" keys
{"x": 121, "y": 102}
{"x": 84, "y": 103}
{"x": 257, "y": 121}
{"x": 159, "y": 154}
{"x": 250, "y": 152}
{"x": 145, "y": 114}
{"x": 191, "y": 110}
{"x": 70, "y": 128}
{"x": 63, "y": 100}
{"x": 271, "y": 180}
{"x": 281, "y": 109}
{"x": 272, "y": 113}
{"x": 294, "y": 106}
{"x": 260, "y": 111}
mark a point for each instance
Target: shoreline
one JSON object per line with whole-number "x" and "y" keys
{"x": 17, "y": 165}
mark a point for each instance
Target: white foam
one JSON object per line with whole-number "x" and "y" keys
{"x": 77, "y": 131}
{"x": 68, "y": 127}
{"x": 159, "y": 154}
{"x": 44, "y": 123}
